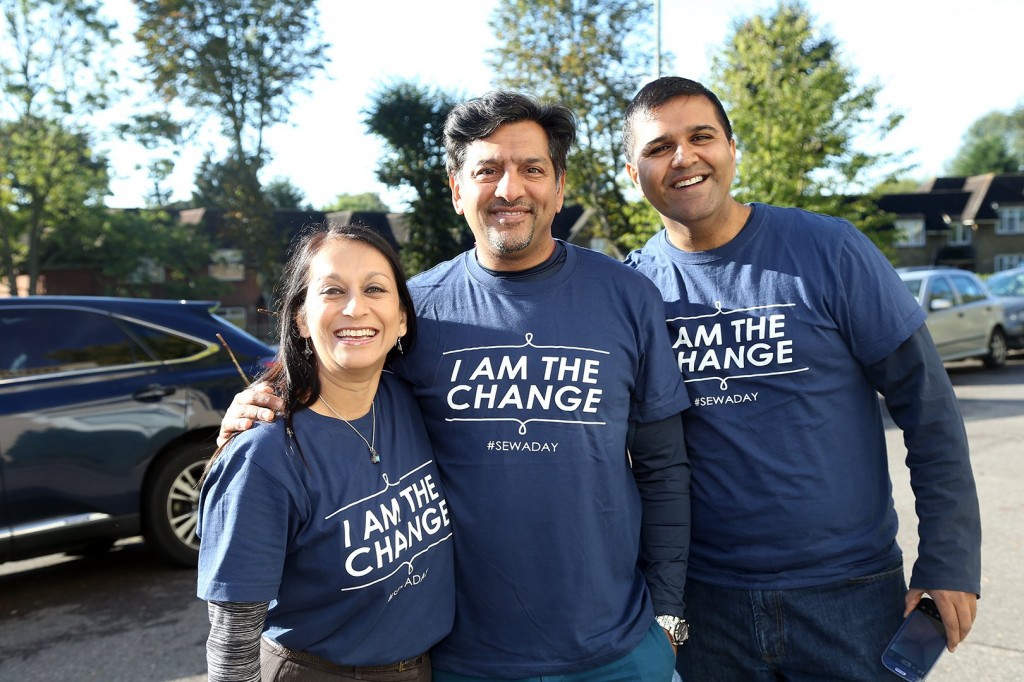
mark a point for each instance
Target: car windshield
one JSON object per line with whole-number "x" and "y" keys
{"x": 914, "y": 285}
{"x": 1009, "y": 284}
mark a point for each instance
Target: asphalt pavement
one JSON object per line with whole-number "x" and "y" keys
{"x": 992, "y": 402}
{"x": 127, "y": 617}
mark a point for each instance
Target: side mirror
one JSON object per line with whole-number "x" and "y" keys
{"x": 940, "y": 304}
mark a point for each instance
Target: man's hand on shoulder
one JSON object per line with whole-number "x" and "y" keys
{"x": 256, "y": 403}
{"x": 958, "y": 611}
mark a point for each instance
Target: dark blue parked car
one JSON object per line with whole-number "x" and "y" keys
{"x": 109, "y": 409}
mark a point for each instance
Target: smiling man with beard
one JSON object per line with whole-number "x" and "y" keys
{"x": 551, "y": 396}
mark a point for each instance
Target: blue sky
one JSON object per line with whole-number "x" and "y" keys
{"x": 942, "y": 64}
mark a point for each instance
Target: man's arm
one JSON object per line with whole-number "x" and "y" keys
{"x": 662, "y": 473}
{"x": 256, "y": 403}
{"x": 921, "y": 401}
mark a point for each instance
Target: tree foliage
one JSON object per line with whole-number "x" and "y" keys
{"x": 365, "y": 201}
{"x": 797, "y": 112}
{"x": 592, "y": 56}
{"x": 57, "y": 186}
{"x": 993, "y": 144}
{"x": 239, "y": 61}
{"x": 53, "y": 75}
{"x": 155, "y": 130}
{"x": 906, "y": 184}
{"x": 410, "y": 120}
{"x": 282, "y": 193}
{"x": 143, "y": 253}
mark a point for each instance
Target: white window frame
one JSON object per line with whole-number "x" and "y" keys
{"x": 149, "y": 271}
{"x": 235, "y": 314}
{"x": 1005, "y": 261}
{"x": 228, "y": 265}
{"x": 1011, "y": 220}
{"x": 910, "y": 232}
{"x": 959, "y": 234}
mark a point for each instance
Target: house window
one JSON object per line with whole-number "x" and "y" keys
{"x": 909, "y": 232}
{"x": 148, "y": 272}
{"x": 227, "y": 265}
{"x": 1011, "y": 220}
{"x": 959, "y": 235}
{"x": 233, "y": 314}
{"x": 1005, "y": 261}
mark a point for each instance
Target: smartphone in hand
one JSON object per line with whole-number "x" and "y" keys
{"x": 917, "y": 644}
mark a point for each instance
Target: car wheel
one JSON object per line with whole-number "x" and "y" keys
{"x": 997, "y": 350}
{"x": 172, "y": 504}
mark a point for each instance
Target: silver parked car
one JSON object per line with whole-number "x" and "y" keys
{"x": 964, "y": 318}
{"x": 1009, "y": 286}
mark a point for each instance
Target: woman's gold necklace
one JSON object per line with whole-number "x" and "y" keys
{"x": 374, "y": 457}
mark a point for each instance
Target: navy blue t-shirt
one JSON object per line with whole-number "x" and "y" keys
{"x": 528, "y": 386}
{"x": 771, "y": 332}
{"x": 355, "y": 558}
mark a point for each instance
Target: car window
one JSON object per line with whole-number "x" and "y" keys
{"x": 970, "y": 289}
{"x": 164, "y": 345}
{"x": 939, "y": 287}
{"x": 914, "y": 287}
{"x": 49, "y": 340}
{"x": 1007, "y": 285}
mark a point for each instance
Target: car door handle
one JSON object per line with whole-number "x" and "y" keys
{"x": 153, "y": 393}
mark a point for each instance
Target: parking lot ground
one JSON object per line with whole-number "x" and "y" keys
{"x": 125, "y": 617}
{"x": 992, "y": 402}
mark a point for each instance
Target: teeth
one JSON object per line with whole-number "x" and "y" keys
{"x": 356, "y": 333}
{"x": 692, "y": 181}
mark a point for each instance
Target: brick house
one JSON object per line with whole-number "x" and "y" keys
{"x": 974, "y": 223}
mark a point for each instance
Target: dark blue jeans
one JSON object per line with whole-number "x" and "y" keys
{"x": 828, "y": 632}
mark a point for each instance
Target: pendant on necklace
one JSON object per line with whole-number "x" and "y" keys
{"x": 374, "y": 456}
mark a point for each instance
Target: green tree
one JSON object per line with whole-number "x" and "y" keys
{"x": 53, "y": 76}
{"x": 366, "y": 201}
{"x": 901, "y": 185}
{"x": 592, "y": 56}
{"x": 410, "y": 120}
{"x": 57, "y": 185}
{"x": 240, "y": 61}
{"x": 156, "y": 130}
{"x": 282, "y": 193}
{"x": 143, "y": 253}
{"x": 796, "y": 112}
{"x": 993, "y": 144}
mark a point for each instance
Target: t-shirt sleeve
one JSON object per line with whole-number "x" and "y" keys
{"x": 244, "y": 526}
{"x": 659, "y": 392}
{"x": 872, "y": 306}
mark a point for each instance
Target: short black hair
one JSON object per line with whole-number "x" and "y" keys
{"x": 658, "y": 92}
{"x": 478, "y": 118}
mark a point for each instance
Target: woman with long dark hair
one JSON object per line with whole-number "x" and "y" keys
{"x": 326, "y": 550}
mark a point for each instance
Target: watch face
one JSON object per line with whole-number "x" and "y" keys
{"x": 677, "y": 628}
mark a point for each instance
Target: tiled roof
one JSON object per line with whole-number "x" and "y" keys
{"x": 937, "y": 208}
{"x": 965, "y": 199}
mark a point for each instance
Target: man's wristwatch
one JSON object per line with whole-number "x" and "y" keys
{"x": 677, "y": 628}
